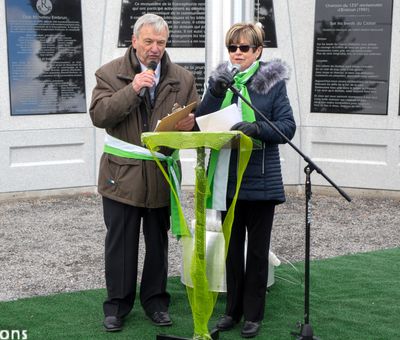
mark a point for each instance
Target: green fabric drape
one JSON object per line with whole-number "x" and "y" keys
{"x": 201, "y": 299}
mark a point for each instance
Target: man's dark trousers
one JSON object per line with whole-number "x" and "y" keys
{"x": 121, "y": 257}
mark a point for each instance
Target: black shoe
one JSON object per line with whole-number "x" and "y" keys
{"x": 160, "y": 319}
{"x": 225, "y": 323}
{"x": 250, "y": 329}
{"x": 112, "y": 323}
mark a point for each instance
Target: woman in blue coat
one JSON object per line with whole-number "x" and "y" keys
{"x": 262, "y": 188}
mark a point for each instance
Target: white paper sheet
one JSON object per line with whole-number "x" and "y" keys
{"x": 221, "y": 120}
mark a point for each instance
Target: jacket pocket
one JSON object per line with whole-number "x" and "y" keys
{"x": 119, "y": 166}
{"x": 122, "y": 177}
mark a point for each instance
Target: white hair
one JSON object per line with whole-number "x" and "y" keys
{"x": 154, "y": 20}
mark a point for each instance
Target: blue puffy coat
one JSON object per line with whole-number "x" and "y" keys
{"x": 262, "y": 179}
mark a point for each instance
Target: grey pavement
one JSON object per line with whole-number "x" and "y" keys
{"x": 55, "y": 244}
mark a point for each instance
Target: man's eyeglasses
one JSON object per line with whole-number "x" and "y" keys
{"x": 242, "y": 48}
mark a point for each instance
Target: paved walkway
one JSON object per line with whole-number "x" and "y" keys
{"x": 55, "y": 244}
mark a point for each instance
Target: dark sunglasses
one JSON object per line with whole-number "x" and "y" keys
{"x": 242, "y": 48}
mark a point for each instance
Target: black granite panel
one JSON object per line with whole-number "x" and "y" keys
{"x": 45, "y": 57}
{"x": 351, "y": 58}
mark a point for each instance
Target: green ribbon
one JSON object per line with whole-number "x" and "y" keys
{"x": 178, "y": 222}
{"x": 201, "y": 299}
{"x": 212, "y": 167}
{"x": 240, "y": 84}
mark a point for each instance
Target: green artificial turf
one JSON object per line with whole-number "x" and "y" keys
{"x": 351, "y": 297}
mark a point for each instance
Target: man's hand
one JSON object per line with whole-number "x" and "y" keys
{"x": 143, "y": 79}
{"x": 186, "y": 124}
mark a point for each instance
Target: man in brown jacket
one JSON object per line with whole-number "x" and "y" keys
{"x": 129, "y": 99}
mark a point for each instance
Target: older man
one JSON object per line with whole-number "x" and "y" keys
{"x": 132, "y": 93}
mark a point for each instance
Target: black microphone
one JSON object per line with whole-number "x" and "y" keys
{"x": 235, "y": 69}
{"x": 150, "y": 68}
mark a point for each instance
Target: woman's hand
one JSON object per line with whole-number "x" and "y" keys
{"x": 221, "y": 84}
{"x": 249, "y": 129}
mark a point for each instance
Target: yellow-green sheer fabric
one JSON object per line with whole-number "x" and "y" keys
{"x": 201, "y": 299}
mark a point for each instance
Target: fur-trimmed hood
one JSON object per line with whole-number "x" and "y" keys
{"x": 265, "y": 78}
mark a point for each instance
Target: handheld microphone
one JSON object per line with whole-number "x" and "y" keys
{"x": 150, "y": 68}
{"x": 235, "y": 69}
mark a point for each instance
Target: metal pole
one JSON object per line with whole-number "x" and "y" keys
{"x": 220, "y": 15}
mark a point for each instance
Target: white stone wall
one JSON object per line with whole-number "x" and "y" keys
{"x": 358, "y": 151}
{"x": 50, "y": 151}
{"x": 62, "y": 150}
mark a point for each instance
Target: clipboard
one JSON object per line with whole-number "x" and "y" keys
{"x": 168, "y": 122}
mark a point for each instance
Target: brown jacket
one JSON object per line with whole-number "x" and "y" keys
{"x": 117, "y": 108}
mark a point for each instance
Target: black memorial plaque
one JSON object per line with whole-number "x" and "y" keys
{"x": 351, "y": 56}
{"x": 264, "y": 13}
{"x": 198, "y": 70}
{"x": 185, "y": 18}
{"x": 45, "y": 56}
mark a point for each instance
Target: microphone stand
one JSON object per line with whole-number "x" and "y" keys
{"x": 306, "y": 332}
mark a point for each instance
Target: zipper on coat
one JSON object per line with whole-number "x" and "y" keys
{"x": 263, "y": 159}
{"x": 144, "y": 172}
{"x": 145, "y": 111}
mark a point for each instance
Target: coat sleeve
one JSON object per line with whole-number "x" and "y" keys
{"x": 193, "y": 95}
{"x": 109, "y": 105}
{"x": 281, "y": 116}
{"x": 209, "y": 102}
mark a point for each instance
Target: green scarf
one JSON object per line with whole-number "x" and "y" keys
{"x": 240, "y": 83}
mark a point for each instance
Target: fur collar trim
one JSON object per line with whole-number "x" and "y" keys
{"x": 268, "y": 75}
